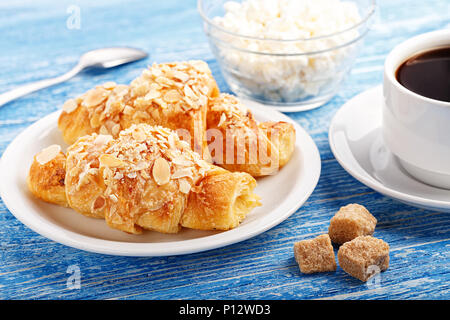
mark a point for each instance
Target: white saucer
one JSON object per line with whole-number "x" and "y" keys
{"x": 282, "y": 194}
{"x": 356, "y": 141}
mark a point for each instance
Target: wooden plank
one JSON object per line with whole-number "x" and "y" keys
{"x": 263, "y": 267}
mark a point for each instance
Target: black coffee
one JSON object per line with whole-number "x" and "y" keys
{"x": 427, "y": 74}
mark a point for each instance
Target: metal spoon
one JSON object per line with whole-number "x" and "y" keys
{"x": 100, "y": 58}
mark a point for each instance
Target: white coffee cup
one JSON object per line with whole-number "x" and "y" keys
{"x": 415, "y": 128}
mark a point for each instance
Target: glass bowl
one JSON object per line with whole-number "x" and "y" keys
{"x": 288, "y": 74}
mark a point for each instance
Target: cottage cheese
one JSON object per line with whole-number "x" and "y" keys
{"x": 299, "y": 74}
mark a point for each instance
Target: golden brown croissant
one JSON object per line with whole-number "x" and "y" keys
{"x": 174, "y": 95}
{"x": 183, "y": 96}
{"x": 145, "y": 178}
{"x": 239, "y": 143}
{"x": 47, "y": 174}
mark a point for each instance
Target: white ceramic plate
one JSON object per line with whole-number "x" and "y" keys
{"x": 356, "y": 141}
{"x": 283, "y": 108}
{"x": 282, "y": 194}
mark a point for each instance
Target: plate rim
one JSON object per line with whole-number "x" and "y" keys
{"x": 311, "y": 161}
{"x": 373, "y": 183}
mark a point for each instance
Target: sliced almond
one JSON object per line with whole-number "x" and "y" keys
{"x": 118, "y": 176}
{"x": 161, "y": 103}
{"x": 110, "y": 161}
{"x": 132, "y": 175}
{"x": 161, "y": 171}
{"x": 163, "y": 81}
{"x": 155, "y": 86}
{"x": 202, "y": 101}
{"x": 139, "y": 89}
{"x": 181, "y": 76}
{"x": 155, "y": 71}
{"x": 141, "y": 165}
{"x": 48, "y": 154}
{"x": 185, "y": 187}
{"x": 140, "y": 115}
{"x": 181, "y": 160}
{"x": 69, "y": 106}
{"x": 153, "y": 94}
{"x": 121, "y": 89}
{"x": 144, "y": 174}
{"x": 172, "y": 96}
{"x": 103, "y": 130}
{"x": 95, "y": 121}
{"x": 200, "y": 66}
{"x": 204, "y": 90}
{"x": 109, "y": 85}
{"x": 115, "y": 129}
{"x": 99, "y": 203}
{"x": 102, "y": 139}
{"x": 181, "y": 173}
{"x": 109, "y": 124}
{"x": 223, "y": 118}
{"x": 138, "y": 135}
{"x": 189, "y": 93}
{"x": 183, "y": 144}
{"x": 94, "y": 97}
{"x": 128, "y": 110}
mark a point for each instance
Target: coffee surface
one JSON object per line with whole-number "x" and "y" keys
{"x": 427, "y": 74}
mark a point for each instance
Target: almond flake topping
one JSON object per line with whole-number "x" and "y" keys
{"x": 181, "y": 161}
{"x": 155, "y": 71}
{"x": 109, "y": 85}
{"x": 203, "y": 100}
{"x": 223, "y": 118}
{"x": 183, "y": 85}
{"x": 121, "y": 89}
{"x": 128, "y": 110}
{"x": 181, "y": 76}
{"x": 115, "y": 129}
{"x": 94, "y": 97}
{"x": 141, "y": 165}
{"x": 102, "y": 139}
{"x": 181, "y": 173}
{"x": 48, "y": 154}
{"x": 118, "y": 176}
{"x": 69, "y": 106}
{"x": 185, "y": 187}
{"x": 172, "y": 96}
{"x": 138, "y": 135}
{"x": 153, "y": 94}
{"x": 99, "y": 203}
{"x": 132, "y": 175}
{"x": 189, "y": 93}
{"x": 103, "y": 130}
{"x": 161, "y": 171}
{"x": 108, "y": 160}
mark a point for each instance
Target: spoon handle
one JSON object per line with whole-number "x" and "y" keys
{"x": 34, "y": 86}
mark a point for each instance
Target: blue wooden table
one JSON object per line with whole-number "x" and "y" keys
{"x": 45, "y": 39}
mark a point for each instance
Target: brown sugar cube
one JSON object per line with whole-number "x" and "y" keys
{"x": 364, "y": 256}
{"x": 350, "y": 222}
{"x": 315, "y": 255}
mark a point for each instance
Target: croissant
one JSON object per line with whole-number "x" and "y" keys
{"x": 146, "y": 178}
{"x": 183, "y": 96}
{"x": 174, "y": 95}
{"x": 239, "y": 143}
